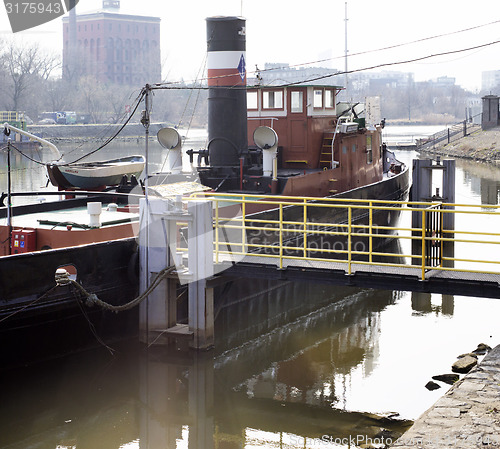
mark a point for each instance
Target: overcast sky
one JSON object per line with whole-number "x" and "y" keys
{"x": 299, "y": 32}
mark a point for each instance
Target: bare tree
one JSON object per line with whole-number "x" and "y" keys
{"x": 93, "y": 98}
{"x": 24, "y": 65}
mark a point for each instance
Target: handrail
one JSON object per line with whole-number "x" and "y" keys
{"x": 447, "y": 134}
{"x": 353, "y": 232}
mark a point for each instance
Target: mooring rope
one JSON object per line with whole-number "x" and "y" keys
{"x": 62, "y": 278}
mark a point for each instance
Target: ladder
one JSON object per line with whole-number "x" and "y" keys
{"x": 325, "y": 160}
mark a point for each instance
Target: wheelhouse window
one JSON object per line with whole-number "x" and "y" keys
{"x": 329, "y": 98}
{"x": 272, "y": 99}
{"x": 297, "y": 100}
{"x": 252, "y": 100}
{"x": 318, "y": 99}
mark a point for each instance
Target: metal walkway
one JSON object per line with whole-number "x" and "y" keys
{"x": 368, "y": 276}
{"x": 428, "y": 247}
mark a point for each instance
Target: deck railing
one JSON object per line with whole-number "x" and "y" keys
{"x": 357, "y": 232}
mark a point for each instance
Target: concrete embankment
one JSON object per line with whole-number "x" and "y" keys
{"x": 480, "y": 145}
{"x": 72, "y": 132}
{"x": 467, "y": 416}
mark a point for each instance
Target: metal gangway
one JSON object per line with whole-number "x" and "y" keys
{"x": 365, "y": 243}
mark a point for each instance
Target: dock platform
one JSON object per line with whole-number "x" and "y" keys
{"x": 467, "y": 416}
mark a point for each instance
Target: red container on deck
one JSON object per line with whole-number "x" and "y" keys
{"x": 23, "y": 241}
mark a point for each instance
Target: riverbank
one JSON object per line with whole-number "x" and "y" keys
{"x": 483, "y": 146}
{"x": 468, "y": 415}
{"x": 64, "y": 133}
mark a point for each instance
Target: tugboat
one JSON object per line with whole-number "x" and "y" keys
{"x": 290, "y": 140}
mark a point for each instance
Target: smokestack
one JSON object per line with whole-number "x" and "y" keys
{"x": 227, "y": 101}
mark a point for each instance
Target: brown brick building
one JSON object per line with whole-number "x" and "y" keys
{"x": 113, "y": 47}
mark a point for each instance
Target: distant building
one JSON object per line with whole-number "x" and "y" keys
{"x": 444, "y": 81}
{"x": 490, "y": 80}
{"x": 113, "y": 47}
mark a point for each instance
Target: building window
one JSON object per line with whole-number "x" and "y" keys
{"x": 272, "y": 99}
{"x": 353, "y": 147}
{"x": 297, "y": 100}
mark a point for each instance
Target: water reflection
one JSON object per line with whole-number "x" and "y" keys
{"x": 483, "y": 180}
{"x": 287, "y": 383}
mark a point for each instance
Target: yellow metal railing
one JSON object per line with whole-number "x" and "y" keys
{"x": 357, "y": 232}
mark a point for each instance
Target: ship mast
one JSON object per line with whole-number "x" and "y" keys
{"x": 345, "y": 55}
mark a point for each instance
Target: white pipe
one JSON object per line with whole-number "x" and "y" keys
{"x": 51, "y": 146}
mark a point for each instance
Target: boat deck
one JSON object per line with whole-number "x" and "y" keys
{"x": 78, "y": 218}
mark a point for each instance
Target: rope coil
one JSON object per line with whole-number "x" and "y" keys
{"x": 62, "y": 277}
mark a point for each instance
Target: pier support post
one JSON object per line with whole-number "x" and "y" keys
{"x": 157, "y": 246}
{"x": 421, "y": 191}
{"x": 201, "y": 267}
{"x": 159, "y": 311}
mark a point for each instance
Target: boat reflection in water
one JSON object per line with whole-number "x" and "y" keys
{"x": 277, "y": 379}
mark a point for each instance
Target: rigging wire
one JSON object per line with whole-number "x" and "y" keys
{"x": 110, "y": 139}
{"x": 101, "y": 134}
{"x": 386, "y": 64}
{"x": 390, "y": 47}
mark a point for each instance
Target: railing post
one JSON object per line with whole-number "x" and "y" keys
{"x": 349, "y": 230}
{"x": 370, "y": 230}
{"x": 216, "y": 201}
{"x": 423, "y": 244}
{"x": 243, "y": 222}
{"x": 305, "y": 228}
{"x": 281, "y": 234}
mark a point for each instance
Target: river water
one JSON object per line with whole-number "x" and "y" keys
{"x": 295, "y": 365}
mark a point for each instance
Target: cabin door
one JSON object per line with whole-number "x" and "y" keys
{"x": 297, "y": 126}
